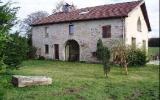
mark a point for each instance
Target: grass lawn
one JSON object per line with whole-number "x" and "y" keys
{"x": 153, "y": 51}
{"x": 80, "y": 81}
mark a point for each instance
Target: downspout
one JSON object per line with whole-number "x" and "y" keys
{"x": 123, "y": 30}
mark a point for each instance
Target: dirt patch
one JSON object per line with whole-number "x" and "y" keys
{"x": 135, "y": 95}
{"x": 70, "y": 91}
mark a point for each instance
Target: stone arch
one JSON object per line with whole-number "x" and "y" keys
{"x": 72, "y": 50}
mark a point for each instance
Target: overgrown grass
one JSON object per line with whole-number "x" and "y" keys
{"x": 80, "y": 81}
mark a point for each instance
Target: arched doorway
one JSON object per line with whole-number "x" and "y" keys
{"x": 72, "y": 50}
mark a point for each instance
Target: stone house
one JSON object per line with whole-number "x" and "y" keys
{"x": 73, "y": 34}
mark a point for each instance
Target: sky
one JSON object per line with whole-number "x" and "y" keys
{"x": 29, "y": 6}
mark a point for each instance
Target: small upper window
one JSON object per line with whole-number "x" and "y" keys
{"x": 71, "y": 29}
{"x": 46, "y": 32}
{"x": 139, "y": 27}
{"x": 106, "y": 31}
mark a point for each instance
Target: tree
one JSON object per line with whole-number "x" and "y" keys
{"x": 26, "y": 28}
{"x": 15, "y": 50}
{"x": 103, "y": 54}
{"x": 7, "y": 20}
{"x": 120, "y": 56}
{"x": 25, "y": 24}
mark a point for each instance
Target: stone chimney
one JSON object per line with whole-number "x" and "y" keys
{"x": 67, "y": 7}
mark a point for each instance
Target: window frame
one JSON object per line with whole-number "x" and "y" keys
{"x": 133, "y": 42}
{"x": 71, "y": 29}
{"x": 46, "y": 49}
{"x": 106, "y": 31}
{"x": 139, "y": 25}
{"x": 46, "y": 32}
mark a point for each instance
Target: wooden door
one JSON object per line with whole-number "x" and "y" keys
{"x": 56, "y": 51}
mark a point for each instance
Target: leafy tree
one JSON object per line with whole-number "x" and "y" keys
{"x": 26, "y": 28}
{"x": 7, "y": 20}
{"x": 25, "y": 24}
{"x": 103, "y": 54}
{"x": 15, "y": 50}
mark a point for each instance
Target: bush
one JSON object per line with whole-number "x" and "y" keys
{"x": 12, "y": 56}
{"x": 32, "y": 52}
{"x": 137, "y": 57}
{"x": 41, "y": 58}
{"x": 103, "y": 54}
{"x": 15, "y": 50}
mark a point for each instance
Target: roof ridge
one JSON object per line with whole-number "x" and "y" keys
{"x": 98, "y": 6}
{"x": 114, "y": 10}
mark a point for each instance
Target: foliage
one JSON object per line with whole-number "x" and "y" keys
{"x": 120, "y": 56}
{"x": 74, "y": 80}
{"x": 99, "y": 49}
{"x": 103, "y": 54}
{"x": 25, "y": 24}
{"x": 154, "y": 42}
{"x": 31, "y": 54}
{"x": 15, "y": 50}
{"x": 7, "y": 20}
{"x": 41, "y": 58}
{"x": 136, "y": 57}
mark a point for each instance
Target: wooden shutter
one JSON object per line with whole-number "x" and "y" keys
{"x": 106, "y": 31}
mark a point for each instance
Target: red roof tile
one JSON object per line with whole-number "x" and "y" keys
{"x": 98, "y": 12}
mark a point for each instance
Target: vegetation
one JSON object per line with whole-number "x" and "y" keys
{"x": 7, "y": 20}
{"x": 15, "y": 50}
{"x": 74, "y": 81}
{"x": 120, "y": 56}
{"x": 137, "y": 57}
{"x": 103, "y": 54}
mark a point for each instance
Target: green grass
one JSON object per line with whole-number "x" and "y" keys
{"x": 153, "y": 51}
{"x": 80, "y": 81}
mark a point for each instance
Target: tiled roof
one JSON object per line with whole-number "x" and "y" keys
{"x": 98, "y": 12}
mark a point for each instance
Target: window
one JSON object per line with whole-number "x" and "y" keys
{"x": 46, "y": 49}
{"x": 139, "y": 27}
{"x": 94, "y": 54}
{"x": 46, "y": 32}
{"x": 144, "y": 45}
{"x": 106, "y": 31}
{"x": 71, "y": 29}
{"x": 133, "y": 42}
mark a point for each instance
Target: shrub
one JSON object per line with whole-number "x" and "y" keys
{"x": 41, "y": 58}
{"x": 32, "y": 52}
{"x": 103, "y": 54}
{"x": 137, "y": 57}
{"x": 120, "y": 54}
{"x": 12, "y": 56}
{"x": 15, "y": 50}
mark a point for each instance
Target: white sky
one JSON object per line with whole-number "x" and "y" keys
{"x": 29, "y": 6}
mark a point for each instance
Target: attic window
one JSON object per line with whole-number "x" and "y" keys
{"x": 139, "y": 27}
{"x": 83, "y": 12}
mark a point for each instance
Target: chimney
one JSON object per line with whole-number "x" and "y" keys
{"x": 67, "y": 7}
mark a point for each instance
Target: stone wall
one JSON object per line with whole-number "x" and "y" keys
{"x": 86, "y": 33}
